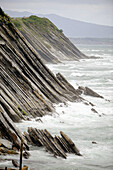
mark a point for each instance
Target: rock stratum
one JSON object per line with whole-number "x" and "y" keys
{"x": 49, "y": 42}
{"x": 28, "y": 88}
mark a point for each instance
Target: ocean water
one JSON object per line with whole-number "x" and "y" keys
{"x": 76, "y": 119}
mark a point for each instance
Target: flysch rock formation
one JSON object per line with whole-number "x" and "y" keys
{"x": 57, "y": 145}
{"x": 88, "y": 91}
{"x": 49, "y": 42}
{"x": 28, "y": 88}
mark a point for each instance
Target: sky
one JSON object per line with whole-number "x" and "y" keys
{"x": 93, "y": 11}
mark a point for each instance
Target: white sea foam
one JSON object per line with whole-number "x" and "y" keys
{"x": 83, "y": 126}
{"x": 79, "y": 121}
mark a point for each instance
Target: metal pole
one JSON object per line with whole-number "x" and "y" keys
{"x": 21, "y": 150}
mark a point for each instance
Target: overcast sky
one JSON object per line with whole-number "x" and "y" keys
{"x": 94, "y": 11}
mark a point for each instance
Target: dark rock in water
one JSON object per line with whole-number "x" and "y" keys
{"x": 61, "y": 122}
{"x": 86, "y": 103}
{"x": 81, "y": 89}
{"x": 15, "y": 163}
{"x": 38, "y": 120}
{"x": 58, "y": 146}
{"x": 28, "y": 118}
{"x": 65, "y": 104}
{"x": 26, "y": 154}
{"x": 107, "y": 100}
{"x": 94, "y": 142}
{"x": 70, "y": 143}
{"x": 91, "y": 104}
{"x": 88, "y": 91}
{"x": 94, "y": 110}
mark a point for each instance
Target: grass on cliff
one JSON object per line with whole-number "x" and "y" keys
{"x": 17, "y": 22}
{"x": 42, "y": 24}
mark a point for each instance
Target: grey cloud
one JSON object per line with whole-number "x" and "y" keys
{"x": 62, "y": 1}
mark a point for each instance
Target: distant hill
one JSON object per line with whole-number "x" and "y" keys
{"x": 92, "y": 41}
{"x": 18, "y": 14}
{"x": 73, "y": 28}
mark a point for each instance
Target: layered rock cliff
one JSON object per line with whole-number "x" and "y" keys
{"x": 28, "y": 88}
{"x": 24, "y": 77}
{"x": 49, "y": 42}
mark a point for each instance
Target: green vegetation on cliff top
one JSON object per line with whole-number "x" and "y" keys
{"x": 42, "y": 24}
{"x": 4, "y": 18}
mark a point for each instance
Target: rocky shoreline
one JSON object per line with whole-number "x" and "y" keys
{"x": 28, "y": 87}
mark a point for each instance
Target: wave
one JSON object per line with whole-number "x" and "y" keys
{"x": 77, "y": 74}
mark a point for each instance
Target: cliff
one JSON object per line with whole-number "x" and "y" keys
{"x": 76, "y": 28}
{"x": 28, "y": 88}
{"x": 49, "y": 42}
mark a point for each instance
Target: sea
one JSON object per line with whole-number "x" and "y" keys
{"x": 91, "y": 132}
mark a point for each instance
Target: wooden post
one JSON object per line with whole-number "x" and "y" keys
{"x": 21, "y": 150}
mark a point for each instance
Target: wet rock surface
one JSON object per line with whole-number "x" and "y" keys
{"x": 88, "y": 91}
{"x": 58, "y": 145}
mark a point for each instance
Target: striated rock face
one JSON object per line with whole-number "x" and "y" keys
{"x": 50, "y": 43}
{"x": 89, "y": 92}
{"x": 28, "y": 88}
{"x": 57, "y": 145}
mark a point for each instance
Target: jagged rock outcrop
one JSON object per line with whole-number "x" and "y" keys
{"x": 57, "y": 145}
{"x": 88, "y": 91}
{"x": 49, "y": 42}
